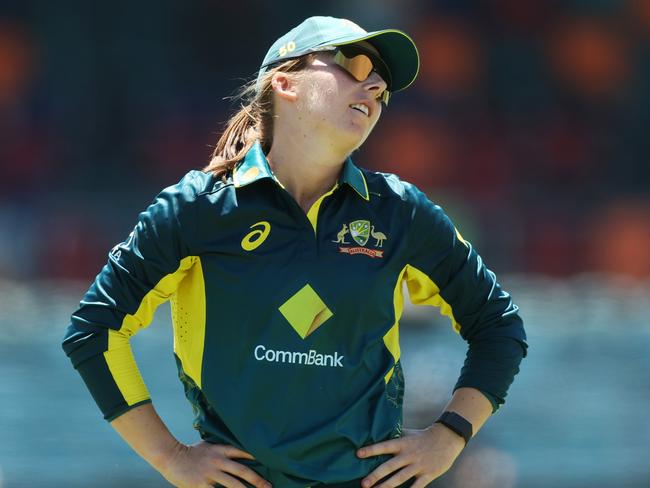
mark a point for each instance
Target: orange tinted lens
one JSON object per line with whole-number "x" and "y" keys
{"x": 359, "y": 66}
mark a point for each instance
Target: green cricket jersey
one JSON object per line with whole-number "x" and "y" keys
{"x": 286, "y": 324}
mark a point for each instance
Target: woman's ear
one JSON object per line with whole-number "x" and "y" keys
{"x": 284, "y": 86}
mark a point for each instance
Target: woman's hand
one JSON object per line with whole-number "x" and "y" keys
{"x": 421, "y": 454}
{"x": 203, "y": 465}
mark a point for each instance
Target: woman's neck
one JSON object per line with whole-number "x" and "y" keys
{"x": 306, "y": 169}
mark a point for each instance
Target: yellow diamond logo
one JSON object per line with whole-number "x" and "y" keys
{"x": 305, "y": 311}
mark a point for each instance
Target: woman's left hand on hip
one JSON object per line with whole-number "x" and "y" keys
{"x": 421, "y": 454}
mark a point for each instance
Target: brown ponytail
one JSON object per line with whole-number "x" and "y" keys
{"x": 253, "y": 121}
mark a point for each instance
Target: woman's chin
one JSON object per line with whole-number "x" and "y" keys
{"x": 348, "y": 138}
{"x": 355, "y": 135}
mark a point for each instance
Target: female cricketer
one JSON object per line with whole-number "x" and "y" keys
{"x": 284, "y": 263}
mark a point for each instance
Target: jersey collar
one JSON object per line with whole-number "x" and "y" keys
{"x": 353, "y": 176}
{"x": 255, "y": 166}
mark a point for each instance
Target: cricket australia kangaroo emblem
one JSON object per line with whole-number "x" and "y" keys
{"x": 361, "y": 231}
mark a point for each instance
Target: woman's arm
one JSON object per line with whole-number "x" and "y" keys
{"x": 146, "y": 433}
{"x": 472, "y": 405}
{"x": 444, "y": 270}
{"x": 141, "y": 273}
{"x": 199, "y": 465}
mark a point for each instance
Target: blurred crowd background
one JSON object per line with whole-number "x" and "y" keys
{"x": 528, "y": 122}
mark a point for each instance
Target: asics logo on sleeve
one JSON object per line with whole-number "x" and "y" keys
{"x": 256, "y": 238}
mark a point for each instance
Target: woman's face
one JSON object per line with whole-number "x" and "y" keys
{"x": 332, "y": 101}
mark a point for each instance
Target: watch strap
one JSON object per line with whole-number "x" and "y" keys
{"x": 457, "y": 423}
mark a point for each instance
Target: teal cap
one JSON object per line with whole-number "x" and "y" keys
{"x": 314, "y": 34}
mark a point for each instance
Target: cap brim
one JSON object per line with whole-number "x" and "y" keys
{"x": 398, "y": 52}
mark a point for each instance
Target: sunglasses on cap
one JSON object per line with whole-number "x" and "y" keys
{"x": 360, "y": 63}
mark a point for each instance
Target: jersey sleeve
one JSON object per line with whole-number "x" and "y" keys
{"x": 444, "y": 270}
{"x": 141, "y": 273}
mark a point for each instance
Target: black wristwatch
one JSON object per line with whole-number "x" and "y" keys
{"x": 458, "y": 424}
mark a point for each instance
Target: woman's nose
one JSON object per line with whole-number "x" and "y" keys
{"x": 374, "y": 82}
